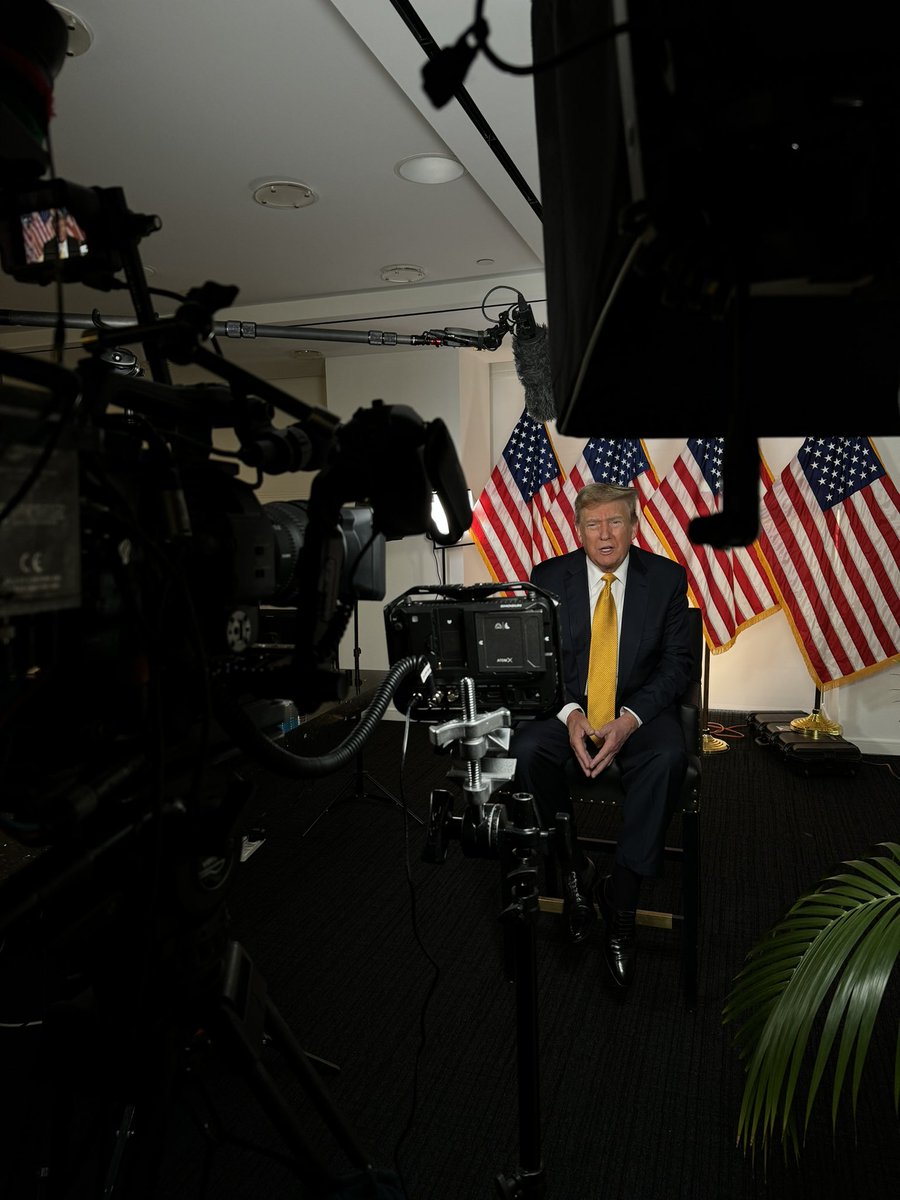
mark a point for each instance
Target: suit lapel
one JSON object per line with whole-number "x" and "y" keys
{"x": 578, "y": 614}
{"x": 637, "y": 594}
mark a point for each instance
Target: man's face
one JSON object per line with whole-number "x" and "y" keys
{"x": 606, "y": 531}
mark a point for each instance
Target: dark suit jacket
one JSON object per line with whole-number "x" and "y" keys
{"x": 654, "y": 647}
{"x": 73, "y": 249}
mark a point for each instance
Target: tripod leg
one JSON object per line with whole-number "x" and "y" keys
{"x": 247, "y": 1013}
{"x": 360, "y": 793}
{"x": 123, "y": 1134}
{"x": 386, "y": 794}
{"x": 362, "y": 775}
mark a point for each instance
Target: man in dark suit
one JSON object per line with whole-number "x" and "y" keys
{"x": 72, "y": 247}
{"x": 642, "y": 733}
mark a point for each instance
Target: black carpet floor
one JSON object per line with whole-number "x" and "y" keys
{"x": 393, "y": 971}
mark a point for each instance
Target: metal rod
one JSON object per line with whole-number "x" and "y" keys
{"x": 245, "y": 330}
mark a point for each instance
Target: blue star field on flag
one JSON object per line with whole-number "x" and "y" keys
{"x": 837, "y": 467}
{"x": 530, "y": 456}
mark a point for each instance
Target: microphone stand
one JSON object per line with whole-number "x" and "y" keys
{"x": 362, "y": 776}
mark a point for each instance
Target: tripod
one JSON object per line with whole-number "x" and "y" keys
{"x": 139, "y": 999}
{"x": 240, "y": 1026}
{"x": 361, "y": 776}
{"x": 245, "y": 1017}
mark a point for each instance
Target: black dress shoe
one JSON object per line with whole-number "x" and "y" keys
{"x": 619, "y": 938}
{"x": 578, "y": 912}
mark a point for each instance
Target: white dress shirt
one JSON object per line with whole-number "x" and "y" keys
{"x": 595, "y": 586}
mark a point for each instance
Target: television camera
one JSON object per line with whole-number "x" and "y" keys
{"x": 150, "y": 605}
{"x": 138, "y": 569}
{"x": 155, "y": 619}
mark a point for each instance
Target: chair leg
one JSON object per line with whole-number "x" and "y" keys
{"x": 691, "y": 905}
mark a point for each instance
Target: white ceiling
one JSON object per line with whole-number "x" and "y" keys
{"x": 188, "y": 106}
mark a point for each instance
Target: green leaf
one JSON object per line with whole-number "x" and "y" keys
{"x": 825, "y": 965}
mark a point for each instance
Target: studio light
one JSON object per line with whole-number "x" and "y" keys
{"x": 439, "y": 517}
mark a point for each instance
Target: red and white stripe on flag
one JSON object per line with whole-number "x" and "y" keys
{"x": 830, "y": 533}
{"x": 508, "y": 517}
{"x": 731, "y": 586}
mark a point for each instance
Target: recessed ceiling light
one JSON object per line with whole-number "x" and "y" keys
{"x": 284, "y": 193}
{"x": 402, "y": 273}
{"x": 429, "y": 168}
{"x": 80, "y": 36}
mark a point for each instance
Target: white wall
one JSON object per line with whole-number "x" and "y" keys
{"x": 479, "y": 397}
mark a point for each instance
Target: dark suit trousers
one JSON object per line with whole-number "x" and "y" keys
{"x": 652, "y": 762}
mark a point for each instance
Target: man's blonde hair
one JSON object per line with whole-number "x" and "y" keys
{"x": 605, "y": 493}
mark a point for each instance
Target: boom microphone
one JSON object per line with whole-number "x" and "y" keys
{"x": 531, "y": 355}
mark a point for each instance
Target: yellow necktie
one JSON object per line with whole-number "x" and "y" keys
{"x": 601, "y": 683}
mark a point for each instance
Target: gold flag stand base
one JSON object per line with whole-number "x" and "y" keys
{"x": 712, "y": 745}
{"x": 816, "y": 723}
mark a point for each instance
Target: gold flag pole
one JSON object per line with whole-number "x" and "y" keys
{"x": 817, "y": 723}
{"x": 711, "y": 744}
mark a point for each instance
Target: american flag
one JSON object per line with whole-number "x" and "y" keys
{"x": 38, "y": 228}
{"x": 622, "y": 461}
{"x": 830, "y": 533}
{"x": 508, "y": 516}
{"x": 731, "y": 586}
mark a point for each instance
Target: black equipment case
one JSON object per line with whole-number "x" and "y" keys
{"x": 766, "y": 725}
{"x": 818, "y": 753}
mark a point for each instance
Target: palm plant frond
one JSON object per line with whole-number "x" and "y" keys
{"x": 824, "y": 966}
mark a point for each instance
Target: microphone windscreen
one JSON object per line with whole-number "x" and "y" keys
{"x": 532, "y": 361}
